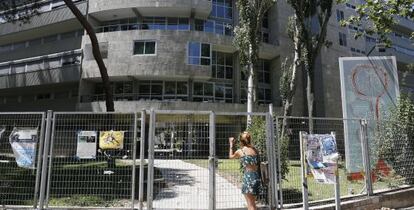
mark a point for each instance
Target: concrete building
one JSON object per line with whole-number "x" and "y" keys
{"x": 165, "y": 54}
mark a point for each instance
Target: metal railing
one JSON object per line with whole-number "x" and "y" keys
{"x": 168, "y": 159}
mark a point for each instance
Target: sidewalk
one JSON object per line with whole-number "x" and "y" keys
{"x": 187, "y": 187}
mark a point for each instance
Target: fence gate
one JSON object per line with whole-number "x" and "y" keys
{"x": 188, "y": 164}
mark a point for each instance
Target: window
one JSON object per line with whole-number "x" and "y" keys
{"x": 223, "y": 93}
{"x": 342, "y": 39}
{"x": 150, "y": 90}
{"x": 222, "y": 9}
{"x": 203, "y": 92}
{"x": 43, "y": 96}
{"x": 264, "y": 95}
{"x": 263, "y": 71}
{"x": 199, "y": 54}
{"x": 214, "y": 26}
{"x": 265, "y": 22}
{"x": 176, "y": 90}
{"x": 144, "y": 47}
{"x": 34, "y": 65}
{"x": 222, "y": 65}
{"x": 339, "y": 15}
{"x": 49, "y": 39}
{"x": 123, "y": 91}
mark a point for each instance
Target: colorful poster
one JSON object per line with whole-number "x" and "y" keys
{"x": 87, "y": 141}
{"x": 369, "y": 87}
{"x": 321, "y": 156}
{"x": 24, "y": 144}
{"x": 111, "y": 140}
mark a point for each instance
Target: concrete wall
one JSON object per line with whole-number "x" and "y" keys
{"x": 177, "y": 8}
{"x": 170, "y": 60}
{"x": 133, "y": 106}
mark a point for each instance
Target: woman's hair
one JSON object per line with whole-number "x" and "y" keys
{"x": 246, "y": 139}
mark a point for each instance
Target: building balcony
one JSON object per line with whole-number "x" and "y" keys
{"x": 49, "y": 69}
{"x": 104, "y": 10}
{"x": 44, "y": 23}
{"x": 405, "y": 23}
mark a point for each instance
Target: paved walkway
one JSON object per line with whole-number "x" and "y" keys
{"x": 187, "y": 188}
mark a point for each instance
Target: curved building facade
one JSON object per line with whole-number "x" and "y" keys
{"x": 161, "y": 54}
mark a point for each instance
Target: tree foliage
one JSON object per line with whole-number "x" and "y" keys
{"x": 258, "y": 131}
{"x": 308, "y": 29}
{"x": 395, "y": 139}
{"x": 380, "y": 17}
{"x": 247, "y": 41}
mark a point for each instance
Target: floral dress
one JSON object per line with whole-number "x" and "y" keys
{"x": 251, "y": 179}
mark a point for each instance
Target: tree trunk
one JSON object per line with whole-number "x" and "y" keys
{"x": 251, "y": 90}
{"x": 310, "y": 98}
{"x": 96, "y": 54}
{"x": 287, "y": 106}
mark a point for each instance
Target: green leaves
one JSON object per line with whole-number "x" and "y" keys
{"x": 380, "y": 16}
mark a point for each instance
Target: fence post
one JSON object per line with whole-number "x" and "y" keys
{"x": 39, "y": 159}
{"x": 278, "y": 166}
{"x": 44, "y": 173}
{"x": 134, "y": 154}
{"x": 212, "y": 163}
{"x": 271, "y": 160}
{"x": 365, "y": 156}
{"x": 303, "y": 172}
{"x": 141, "y": 161}
{"x": 150, "y": 182}
{"x": 337, "y": 181}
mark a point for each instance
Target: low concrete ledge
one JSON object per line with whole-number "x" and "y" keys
{"x": 394, "y": 199}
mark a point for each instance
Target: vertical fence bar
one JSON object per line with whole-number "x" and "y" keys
{"x": 303, "y": 172}
{"x": 43, "y": 180}
{"x": 212, "y": 162}
{"x": 141, "y": 161}
{"x": 279, "y": 142}
{"x": 337, "y": 185}
{"x": 276, "y": 158}
{"x": 270, "y": 153}
{"x": 365, "y": 156}
{"x": 134, "y": 155}
{"x": 150, "y": 182}
{"x": 39, "y": 159}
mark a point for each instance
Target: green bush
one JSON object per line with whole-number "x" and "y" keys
{"x": 258, "y": 131}
{"x": 394, "y": 139}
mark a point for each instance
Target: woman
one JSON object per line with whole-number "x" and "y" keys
{"x": 249, "y": 160}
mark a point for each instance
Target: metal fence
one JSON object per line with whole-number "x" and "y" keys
{"x": 179, "y": 160}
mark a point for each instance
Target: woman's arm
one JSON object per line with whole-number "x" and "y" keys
{"x": 232, "y": 154}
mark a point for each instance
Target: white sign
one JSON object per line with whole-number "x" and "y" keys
{"x": 87, "y": 141}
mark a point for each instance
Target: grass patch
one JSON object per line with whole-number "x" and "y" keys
{"x": 292, "y": 191}
{"x": 80, "y": 200}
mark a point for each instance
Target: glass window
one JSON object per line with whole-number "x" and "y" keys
{"x": 222, "y": 9}
{"x": 49, "y": 39}
{"x": 342, "y": 39}
{"x": 35, "y": 65}
{"x": 144, "y": 47}
{"x": 222, "y": 65}
{"x": 19, "y": 68}
{"x": 199, "y": 53}
{"x": 339, "y": 15}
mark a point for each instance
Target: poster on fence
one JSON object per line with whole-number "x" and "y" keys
{"x": 369, "y": 87}
{"x": 24, "y": 143}
{"x": 321, "y": 156}
{"x": 87, "y": 141}
{"x": 111, "y": 139}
